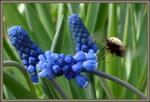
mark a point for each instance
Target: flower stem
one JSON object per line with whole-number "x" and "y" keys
{"x": 15, "y": 64}
{"x": 18, "y": 65}
{"x": 119, "y": 81}
{"x": 58, "y": 88}
{"x": 22, "y": 69}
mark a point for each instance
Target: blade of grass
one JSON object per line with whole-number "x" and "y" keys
{"x": 138, "y": 60}
{"x": 82, "y": 11}
{"x": 56, "y": 89}
{"x": 106, "y": 88}
{"x": 112, "y": 68}
{"x": 51, "y": 91}
{"x": 7, "y": 93}
{"x": 12, "y": 16}
{"x": 143, "y": 77}
{"x": 46, "y": 19}
{"x": 21, "y": 92}
{"x": 39, "y": 30}
{"x": 73, "y": 8}
{"x": 102, "y": 17}
{"x": 67, "y": 46}
{"x": 57, "y": 35}
{"x": 59, "y": 89}
{"x": 7, "y": 63}
{"x": 133, "y": 26}
{"x": 90, "y": 19}
{"x": 46, "y": 89}
{"x": 112, "y": 20}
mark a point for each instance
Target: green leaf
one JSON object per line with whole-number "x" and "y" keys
{"x": 113, "y": 66}
{"x": 7, "y": 93}
{"x": 73, "y": 8}
{"x": 90, "y": 19}
{"x": 138, "y": 62}
{"x": 102, "y": 18}
{"x": 57, "y": 36}
{"x": 16, "y": 88}
{"x": 46, "y": 19}
{"x": 13, "y": 16}
{"x": 112, "y": 20}
{"x": 39, "y": 30}
{"x": 106, "y": 88}
{"x": 48, "y": 89}
{"x": 67, "y": 42}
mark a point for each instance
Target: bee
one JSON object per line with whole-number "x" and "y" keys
{"x": 115, "y": 46}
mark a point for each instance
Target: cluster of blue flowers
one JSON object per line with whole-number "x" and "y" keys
{"x": 80, "y": 34}
{"x": 52, "y": 64}
{"x": 49, "y": 64}
{"x": 27, "y": 50}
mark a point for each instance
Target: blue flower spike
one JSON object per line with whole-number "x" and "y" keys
{"x": 51, "y": 65}
{"x": 27, "y": 50}
{"x": 80, "y": 35}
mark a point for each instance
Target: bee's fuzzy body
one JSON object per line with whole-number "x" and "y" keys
{"x": 115, "y": 46}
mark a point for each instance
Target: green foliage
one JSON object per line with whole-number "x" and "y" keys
{"x": 47, "y": 25}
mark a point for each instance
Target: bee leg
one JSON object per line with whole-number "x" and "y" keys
{"x": 105, "y": 47}
{"x": 106, "y": 54}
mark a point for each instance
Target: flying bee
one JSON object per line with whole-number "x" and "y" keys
{"x": 115, "y": 46}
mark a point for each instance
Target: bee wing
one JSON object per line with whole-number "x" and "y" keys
{"x": 122, "y": 51}
{"x": 99, "y": 38}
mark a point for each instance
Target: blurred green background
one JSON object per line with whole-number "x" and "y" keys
{"x": 43, "y": 21}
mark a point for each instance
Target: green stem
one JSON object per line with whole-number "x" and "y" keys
{"x": 119, "y": 81}
{"x": 22, "y": 69}
{"x": 18, "y": 65}
{"x": 59, "y": 89}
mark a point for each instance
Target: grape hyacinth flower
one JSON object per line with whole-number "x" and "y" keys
{"x": 27, "y": 50}
{"x": 51, "y": 65}
{"x": 80, "y": 34}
